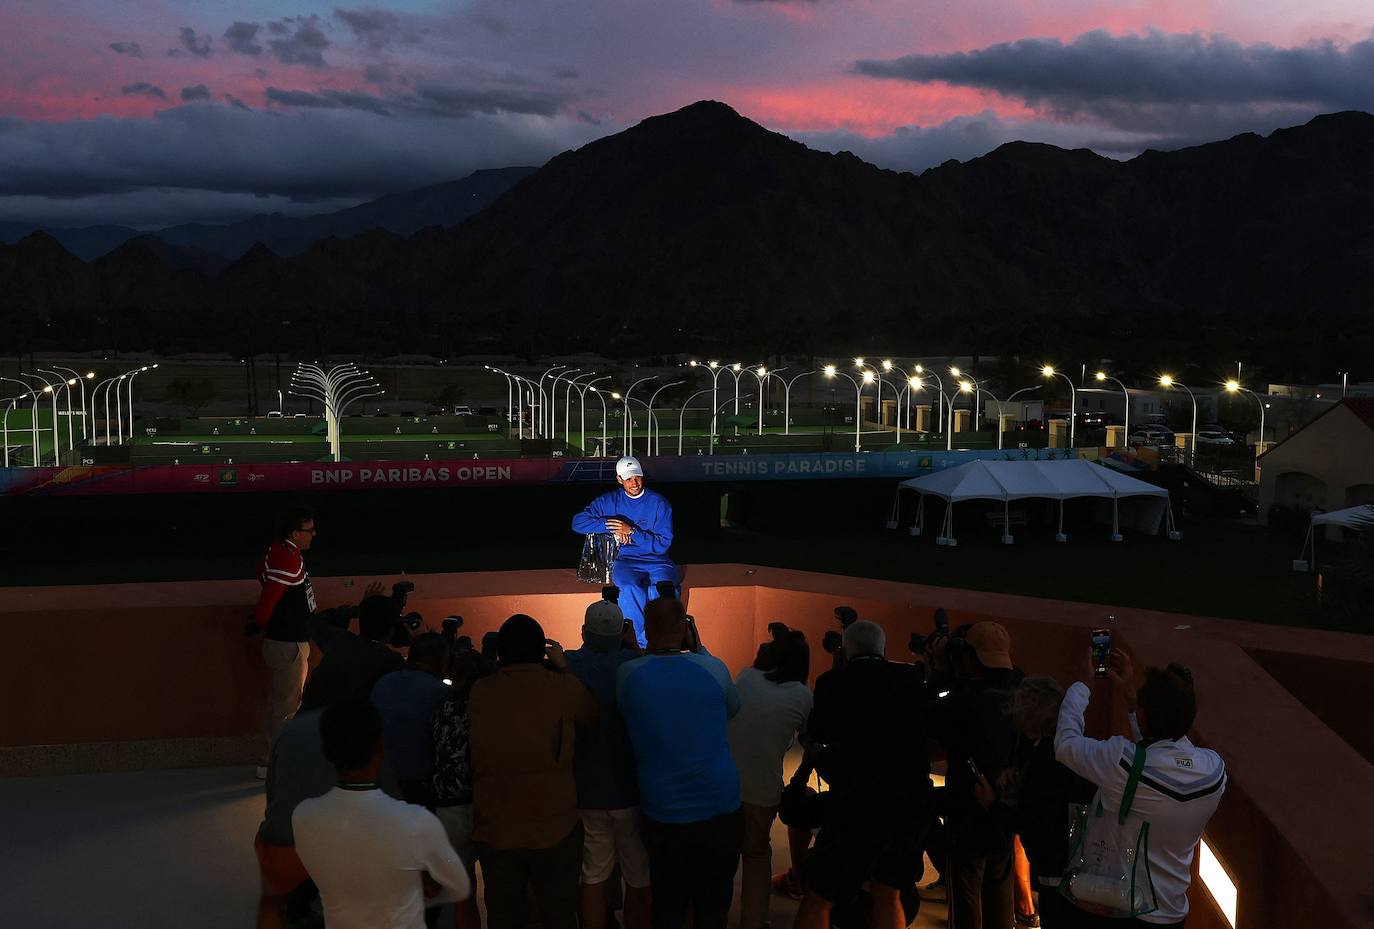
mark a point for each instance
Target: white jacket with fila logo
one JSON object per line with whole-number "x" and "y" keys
{"x": 1178, "y": 792}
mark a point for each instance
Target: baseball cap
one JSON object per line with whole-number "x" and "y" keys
{"x": 602, "y": 624}
{"x": 628, "y": 467}
{"x": 991, "y": 643}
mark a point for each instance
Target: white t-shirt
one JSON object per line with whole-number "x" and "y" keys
{"x": 769, "y": 717}
{"x": 366, "y": 851}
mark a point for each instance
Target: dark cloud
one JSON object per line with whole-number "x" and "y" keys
{"x": 143, "y": 89}
{"x": 312, "y": 154}
{"x": 195, "y": 92}
{"x": 378, "y": 73}
{"x": 241, "y": 38}
{"x": 238, "y": 104}
{"x": 301, "y": 42}
{"x": 197, "y": 45}
{"x": 463, "y": 100}
{"x": 1123, "y": 74}
{"x": 374, "y": 28}
{"x": 328, "y": 100}
{"x": 132, "y": 49}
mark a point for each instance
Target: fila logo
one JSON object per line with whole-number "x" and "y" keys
{"x": 1184, "y": 762}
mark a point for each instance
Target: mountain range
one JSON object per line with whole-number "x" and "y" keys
{"x": 404, "y": 213}
{"x": 701, "y": 231}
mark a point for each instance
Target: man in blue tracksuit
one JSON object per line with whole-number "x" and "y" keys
{"x": 642, "y": 522}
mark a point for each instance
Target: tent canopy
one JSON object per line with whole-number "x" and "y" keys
{"x": 1355, "y": 517}
{"x": 1060, "y": 480}
{"x": 1016, "y": 480}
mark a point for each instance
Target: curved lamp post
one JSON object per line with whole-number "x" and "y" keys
{"x": 629, "y": 417}
{"x": 682, "y": 418}
{"x": 1103, "y": 376}
{"x": 716, "y": 370}
{"x": 510, "y": 395}
{"x": 1048, "y": 371}
{"x": 605, "y": 417}
{"x": 66, "y": 383}
{"x": 51, "y": 390}
{"x": 543, "y": 402}
{"x": 553, "y": 400}
{"x": 831, "y": 371}
{"x": 33, "y": 423}
{"x": 787, "y": 400}
{"x": 81, "y": 379}
{"x": 132, "y": 375}
{"x": 1167, "y": 382}
{"x": 652, "y": 448}
{"x": 1234, "y": 386}
{"x": 939, "y": 407}
{"x": 582, "y": 406}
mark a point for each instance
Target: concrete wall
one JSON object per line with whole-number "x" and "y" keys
{"x": 165, "y": 665}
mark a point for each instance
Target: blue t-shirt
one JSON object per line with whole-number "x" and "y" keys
{"x": 650, "y": 514}
{"x": 604, "y": 763}
{"x": 407, "y": 700}
{"x": 675, "y": 707}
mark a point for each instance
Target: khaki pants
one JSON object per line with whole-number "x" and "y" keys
{"x": 287, "y": 664}
{"x": 756, "y": 852}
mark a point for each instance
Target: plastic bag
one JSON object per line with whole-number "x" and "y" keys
{"x": 1108, "y": 869}
{"x": 598, "y": 557}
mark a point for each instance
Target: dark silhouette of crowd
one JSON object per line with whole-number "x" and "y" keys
{"x": 617, "y": 785}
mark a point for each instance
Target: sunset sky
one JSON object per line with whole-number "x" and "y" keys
{"x": 150, "y": 112}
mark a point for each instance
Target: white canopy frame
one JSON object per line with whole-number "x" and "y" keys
{"x": 1354, "y": 517}
{"x": 1005, "y": 481}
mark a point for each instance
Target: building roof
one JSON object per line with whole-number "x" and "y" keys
{"x": 1362, "y": 407}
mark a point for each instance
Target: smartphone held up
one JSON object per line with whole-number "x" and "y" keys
{"x": 1102, "y": 650}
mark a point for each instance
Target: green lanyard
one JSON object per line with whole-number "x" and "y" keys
{"x": 1128, "y": 795}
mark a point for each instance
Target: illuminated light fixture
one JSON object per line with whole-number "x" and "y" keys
{"x": 1047, "y": 370}
{"x": 615, "y": 396}
{"x": 953, "y": 370}
{"x": 868, "y": 377}
{"x": 1101, "y": 375}
{"x": 713, "y": 364}
{"x": 692, "y": 363}
{"x": 90, "y": 375}
{"x": 1218, "y": 883}
{"x": 763, "y": 372}
{"x": 966, "y": 387}
{"x": 829, "y": 370}
{"x": 887, "y": 364}
{"x": 916, "y": 384}
{"x": 859, "y": 362}
{"x": 1232, "y": 386}
{"x": 736, "y": 366}
{"x": 1166, "y": 381}
{"x": 918, "y": 369}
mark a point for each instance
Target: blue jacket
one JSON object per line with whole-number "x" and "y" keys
{"x": 650, "y": 514}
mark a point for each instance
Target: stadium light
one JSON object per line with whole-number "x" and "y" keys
{"x": 1048, "y": 371}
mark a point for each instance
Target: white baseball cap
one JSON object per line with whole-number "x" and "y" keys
{"x": 627, "y": 468}
{"x": 603, "y": 618}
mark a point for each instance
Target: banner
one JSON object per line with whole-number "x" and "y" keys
{"x": 279, "y": 477}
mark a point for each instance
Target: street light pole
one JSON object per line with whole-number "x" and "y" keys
{"x": 33, "y": 425}
{"x": 787, "y": 401}
{"x": 1167, "y": 382}
{"x": 543, "y": 402}
{"x": 553, "y": 400}
{"x": 1104, "y": 376}
{"x": 48, "y": 388}
{"x": 831, "y": 371}
{"x": 1048, "y": 371}
{"x": 81, "y": 379}
{"x": 653, "y": 449}
{"x": 68, "y": 383}
{"x": 582, "y": 406}
{"x": 629, "y": 417}
{"x": 682, "y": 417}
{"x": 1234, "y": 387}
{"x": 939, "y": 407}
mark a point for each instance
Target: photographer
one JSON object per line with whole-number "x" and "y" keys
{"x": 774, "y": 704}
{"x": 452, "y": 782}
{"x": 524, "y": 718}
{"x": 974, "y": 725}
{"x": 604, "y": 766}
{"x": 364, "y": 658}
{"x": 407, "y": 700}
{"x": 867, "y": 735}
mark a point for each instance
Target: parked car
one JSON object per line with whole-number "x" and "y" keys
{"x": 1214, "y": 435}
{"x": 462, "y": 411}
{"x": 1151, "y": 434}
{"x": 1096, "y": 419}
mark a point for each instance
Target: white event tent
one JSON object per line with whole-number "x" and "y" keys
{"x": 1054, "y": 480}
{"x": 1359, "y": 518}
